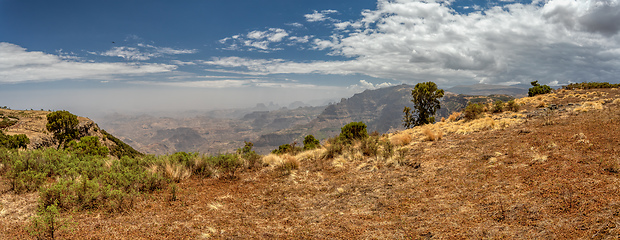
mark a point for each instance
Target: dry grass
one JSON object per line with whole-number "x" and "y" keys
{"x": 176, "y": 172}
{"x": 453, "y": 116}
{"x": 432, "y": 134}
{"x": 401, "y": 139}
{"x": 517, "y": 181}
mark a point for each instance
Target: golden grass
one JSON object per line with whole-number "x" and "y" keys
{"x": 432, "y": 134}
{"x": 590, "y": 105}
{"x": 401, "y": 139}
{"x": 310, "y": 155}
{"x": 453, "y": 116}
{"x": 272, "y": 160}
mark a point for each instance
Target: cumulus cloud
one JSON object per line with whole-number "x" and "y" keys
{"x": 19, "y": 65}
{"x": 413, "y": 41}
{"x": 317, "y": 16}
{"x": 363, "y": 85}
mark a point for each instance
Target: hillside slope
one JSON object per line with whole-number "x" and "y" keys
{"x": 32, "y": 124}
{"x": 550, "y": 171}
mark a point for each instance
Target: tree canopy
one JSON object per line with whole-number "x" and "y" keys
{"x": 63, "y": 125}
{"x": 425, "y": 103}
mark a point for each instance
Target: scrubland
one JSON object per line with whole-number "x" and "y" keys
{"x": 549, "y": 170}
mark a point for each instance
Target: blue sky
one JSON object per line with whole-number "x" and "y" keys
{"x": 104, "y": 56}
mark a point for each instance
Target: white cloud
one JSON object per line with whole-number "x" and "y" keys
{"x": 129, "y": 53}
{"x": 414, "y": 41}
{"x": 19, "y": 65}
{"x": 319, "y": 16}
{"x": 257, "y": 40}
{"x": 145, "y": 52}
{"x": 363, "y": 85}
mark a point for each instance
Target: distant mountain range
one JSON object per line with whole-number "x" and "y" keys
{"x": 487, "y": 89}
{"x": 269, "y": 125}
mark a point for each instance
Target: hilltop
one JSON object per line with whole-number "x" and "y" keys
{"x": 549, "y": 170}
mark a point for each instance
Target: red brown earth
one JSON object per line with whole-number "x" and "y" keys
{"x": 541, "y": 175}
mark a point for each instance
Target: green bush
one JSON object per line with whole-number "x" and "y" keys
{"x": 311, "y": 143}
{"x": 228, "y": 164}
{"x": 88, "y": 145}
{"x": 473, "y": 111}
{"x": 537, "y": 89}
{"x": 590, "y": 85}
{"x": 46, "y": 223}
{"x": 15, "y": 141}
{"x": 252, "y": 158}
{"x": 498, "y": 106}
{"x": 287, "y": 148}
{"x": 512, "y": 106}
{"x": 353, "y": 131}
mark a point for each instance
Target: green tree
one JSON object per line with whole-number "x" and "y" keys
{"x": 63, "y": 125}
{"x": 425, "y": 103}
{"x": 538, "y": 89}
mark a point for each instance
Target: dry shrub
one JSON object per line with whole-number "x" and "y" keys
{"x": 587, "y": 106}
{"x": 616, "y": 101}
{"x": 176, "y": 172}
{"x": 432, "y": 135}
{"x": 272, "y": 160}
{"x": 443, "y": 119}
{"x": 288, "y": 164}
{"x": 401, "y": 139}
{"x": 453, "y": 116}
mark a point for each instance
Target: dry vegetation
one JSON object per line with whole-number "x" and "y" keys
{"x": 534, "y": 174}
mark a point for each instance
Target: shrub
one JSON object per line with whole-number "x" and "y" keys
{"x": 15, "y": 141}
{"x": 288, "y": 164}
{"x": 46, "y": 223}
{"x": 335, "y": 147}
{"x": 252, "y": 158}
{"x": 369, "y": 147}
{"x": 454, "y": 116}
{"x": 388, "y": 149}
{"x": 473, "y": 111}
{"x": 589, "y": 85}
{"x": 498, "y": 106}
{"x": 537, "y": 89}
{"x": 311, "y": 143}
{"x": 228, "y": 164}
{"x": 88, "y": 145}
{"x": 353, "y": 131}
{"x": 432, "y": 135}
{"x": 512, "y": 106}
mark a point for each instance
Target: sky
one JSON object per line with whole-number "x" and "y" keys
{"x": 93, "y": 57}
